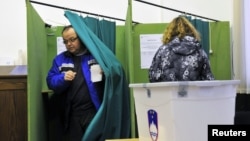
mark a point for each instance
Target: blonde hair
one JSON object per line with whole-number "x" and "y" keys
{"x": 180, "y": 27}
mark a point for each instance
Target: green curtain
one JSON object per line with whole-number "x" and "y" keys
{"x": 103, "y": 29}
{"x": 113, "y": 118}
{"x": 129, "y": 66}
{"x": 36, "y": 84}
{"x": 221, "y": 58}
{"x": 203, "y": 28}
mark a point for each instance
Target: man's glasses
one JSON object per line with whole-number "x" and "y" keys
{"x": 71, "y": 40}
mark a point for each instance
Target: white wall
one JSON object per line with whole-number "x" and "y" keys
{"x": 241, "y": 44}
{"x": 221, "y": 10}
{"x": 143, "y": 13}
{"x": 13, "y": 33}
{"x": 113, "y": 8}
{"x": 246, "y": 42}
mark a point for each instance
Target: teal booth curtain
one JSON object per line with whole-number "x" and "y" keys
{"x": 93, "y": 24}
{"x": 103, "y": 29}
{"x": 203, "y": 28}
{"x": 108, "y": 33}
{"x": 112, "y": 120}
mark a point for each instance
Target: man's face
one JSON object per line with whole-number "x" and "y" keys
{"x": 71, "y": 41}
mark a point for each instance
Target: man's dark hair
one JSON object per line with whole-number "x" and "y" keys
{"x": 66, "y": 28}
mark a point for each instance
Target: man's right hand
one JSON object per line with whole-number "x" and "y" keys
{"x": 69, "y": 75}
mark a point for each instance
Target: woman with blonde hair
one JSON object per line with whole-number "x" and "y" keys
{"x": 181, "y": 57}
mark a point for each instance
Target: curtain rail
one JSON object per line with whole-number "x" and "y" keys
{"x": 54, "y": 6}
{"x": 176, "y": 10}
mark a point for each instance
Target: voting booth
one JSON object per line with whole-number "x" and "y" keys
{"x": 182, "y": 111}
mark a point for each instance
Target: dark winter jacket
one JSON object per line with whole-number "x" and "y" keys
{"x": 180, "y": 60}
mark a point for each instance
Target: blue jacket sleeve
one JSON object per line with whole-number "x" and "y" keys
{"x": 55, "y": 79}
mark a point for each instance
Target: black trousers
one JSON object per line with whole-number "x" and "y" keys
{"x": 78, "y": 125}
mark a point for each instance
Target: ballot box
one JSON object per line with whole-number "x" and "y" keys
{"x": 182, "y": 111}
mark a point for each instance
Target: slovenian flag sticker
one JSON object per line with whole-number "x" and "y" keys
{"x": 153, "y": 124}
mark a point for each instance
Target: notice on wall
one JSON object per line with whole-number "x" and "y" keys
{"x": 60, "y": 45}
{"x": 149, "y": 44}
